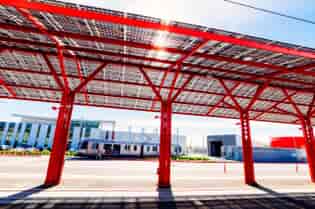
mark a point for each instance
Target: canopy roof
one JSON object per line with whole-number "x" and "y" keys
{"x": 134, "y": 58}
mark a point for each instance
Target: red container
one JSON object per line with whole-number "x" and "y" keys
{"x": 287, "y": 142}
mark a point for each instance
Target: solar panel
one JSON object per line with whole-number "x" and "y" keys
{"x": 197, "y": 63}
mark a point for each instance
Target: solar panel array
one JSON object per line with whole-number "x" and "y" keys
{"x": 87, "y": 44}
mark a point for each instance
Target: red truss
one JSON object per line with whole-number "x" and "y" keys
{"x": 126, "y": 61}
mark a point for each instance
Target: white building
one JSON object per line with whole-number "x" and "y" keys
{"x": 34, "y": 131}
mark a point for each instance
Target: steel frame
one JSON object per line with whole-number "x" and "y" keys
{"x": 78, "y": 65}
{"x": 308, "y": 133}
{"x": 248, "y": 161}
{"x": 26, "y": 71}
{"x": 262, "y": 82}
{"x": 71, "y": 12}
{"x": 53, "y": 71}
{"x": 251, "y": 77}
{"x": 59, "y": 46}
{"x": 7, "y": 87}
{"x": 247, "y": 149}
{"x": 56, "y": 160}
{"x": 165, "y": 144}
{"x": 279, "y": 70}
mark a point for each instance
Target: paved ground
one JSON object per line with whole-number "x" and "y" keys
{"x": 132, "y": 184}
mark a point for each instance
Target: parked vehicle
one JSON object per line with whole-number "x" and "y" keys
{"x": 99, "y": 149}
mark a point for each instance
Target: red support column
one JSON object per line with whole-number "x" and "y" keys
{"x": 59, "y": 147}
{"x": 309, "y": 145}
{"x": 165, "y": 144}
{"x": 247, "y": 149}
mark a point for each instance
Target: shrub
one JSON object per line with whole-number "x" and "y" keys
{"x": 45, "y": 152}
{"x": 71, "y": 153}
{"x": 187, "y": 157}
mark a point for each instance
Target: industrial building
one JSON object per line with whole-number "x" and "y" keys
{"x": 281, "y": 149}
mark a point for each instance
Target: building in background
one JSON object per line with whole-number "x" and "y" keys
{"x": 33, "y": 131}
{"x": 282, "y": 149}
{"x": 217, "y": 142}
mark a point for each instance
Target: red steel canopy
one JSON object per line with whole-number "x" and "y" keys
{"x": 131, "y": 61}
{"x": 72, "y": 54}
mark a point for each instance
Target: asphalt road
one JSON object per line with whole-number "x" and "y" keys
{"x": 132, "y": 184}
{"x": 140, "y": 176}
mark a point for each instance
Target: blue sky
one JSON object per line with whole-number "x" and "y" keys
{"x": 211, "y": 13}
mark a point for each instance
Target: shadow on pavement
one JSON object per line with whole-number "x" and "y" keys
{"x": 165, "y": 199}
{"x": 286, "y": 198}
{"x": 23, "y": 194}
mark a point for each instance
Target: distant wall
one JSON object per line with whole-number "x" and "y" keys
{"x": 227, "y": 139}
{"x": 261, "y": 154}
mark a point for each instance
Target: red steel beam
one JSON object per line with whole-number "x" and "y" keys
{"x": 308, "y": 133}
{"x": 293, "y": 104}
{"x": 229, "y": 105}
{"x": 144, "y": 85}
{"x": 211, "y": 109}
{"x": 140, "y": 109}
{"x": 273, "y": 106}
{"x": 279, "y": 69}
{"x": 249, "y": 75}
{"x": 229, "y": 93}
{"x": 56, "y": 160}
{"x": 257, "y": 94}
{"x": 53, "y": 71}
{"x": 297, "y": 70}
{"x": 148, "y": 80}
{"x": 247, "y": 148}
{"x": 179, "y": 63}
{"x": 135, "y": 98}
{"x": 165, "y": 145}
{"x": 182, "y": 88}
{"x": 176, "y": 74}
{"x": 92, "y": 15}
{"x": 43, "y": 29}
{"x": 62, "y": 67}
{"x": 311, "y": 107}
{"x": 285, "y": 111}
{"x": 7, "y": 88}
{"x": 78, "y": 65}
{"x": 89, "y": 78}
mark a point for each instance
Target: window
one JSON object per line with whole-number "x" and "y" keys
{"x": 135, "y": 147}
{"x": 178, "y": 149}
{"x": 107, "y": 147}
{"x": 154, "y": 149}
{"x": 148, "y": 148}
{"x": 127, "y": 147}
{"x": 84, "y": 145}
{"x": 94, "y": 146}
